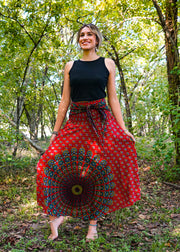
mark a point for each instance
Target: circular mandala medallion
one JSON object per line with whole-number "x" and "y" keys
{"x": 78, "y": 184}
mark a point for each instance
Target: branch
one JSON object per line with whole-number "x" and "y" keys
{"x": 135, "y": 86}
{"x": 21, "y": 25}
{"x": 165, "y": 28}
{"x": 35, "y": 43}
{"x": 57, "y": 100}
{"x": 132, "y": 50}
{"x": 26, "y": 68}
{"x": 147, "y": 76}
{"x": 34, "y": 145}
{"x": 33, "y": 49}
{"x": 77, "y": 20}
{"x": 116, "y": 59}
{"x": 116, "y": 26}
{"x": 147, "y": 18}
{"x": 171, "y": 184}
{"x": 160, "y": 14}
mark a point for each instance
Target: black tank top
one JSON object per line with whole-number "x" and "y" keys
{"x": 88, "y": 80}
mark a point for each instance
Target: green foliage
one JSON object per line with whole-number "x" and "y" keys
{"x": 37, "y": 39}
{"x": 159, "y": 152}
{"x": 163, "y": 150}
{"x": 8, "y": 162}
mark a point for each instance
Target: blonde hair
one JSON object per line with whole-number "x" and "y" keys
{"x": 95, "y": 30}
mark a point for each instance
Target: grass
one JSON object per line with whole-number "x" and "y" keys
{"x": 152, "y": 224}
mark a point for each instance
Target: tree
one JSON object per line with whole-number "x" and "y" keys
{"x": 29, "y": 31}
{"x": 168, "y": 22}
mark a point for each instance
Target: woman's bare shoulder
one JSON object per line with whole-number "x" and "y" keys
{"x": 68, "y": 66}
{"x": 109, "y": 64}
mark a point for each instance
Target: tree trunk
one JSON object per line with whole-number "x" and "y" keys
{"x": 31, "y": 118}
{"x": 40, "y": 109}
{"x": 123, "y": 85}
{"x": 32, "y": 143}
{"x": 17, "y": 126}
{"x": 42, "y": 126}
{"x": 169, "y": 25}
{"x": 172, "y": 57}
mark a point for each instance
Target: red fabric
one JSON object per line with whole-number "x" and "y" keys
{"x": 93, "y": 154}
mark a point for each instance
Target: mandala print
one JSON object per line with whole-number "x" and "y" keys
{"x": 78, "y": 184}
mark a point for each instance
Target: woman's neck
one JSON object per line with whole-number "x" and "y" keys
{"x": 89, "y": 55}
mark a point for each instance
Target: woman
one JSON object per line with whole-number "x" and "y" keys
{"x": 93, "y": 141}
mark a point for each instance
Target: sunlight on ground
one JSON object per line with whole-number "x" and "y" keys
{"x": 28, "y": 208}
{"x": 26, "y": 153}
{"x": 176, "y": 231}
{"x": 29, "y": 205}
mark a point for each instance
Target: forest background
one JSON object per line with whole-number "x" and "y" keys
{"x": 37, "y": 38}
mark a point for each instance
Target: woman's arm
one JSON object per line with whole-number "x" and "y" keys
{"x": 112, "y": 96}
{"x": 65, "y": 100}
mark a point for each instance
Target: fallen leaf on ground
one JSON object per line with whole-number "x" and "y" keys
{"x": 147, "y": 168}
{"x": 142, "y": 216}
{"x": 77, "y": 227}
{"x": 140, "y": 227}
{"x": 175, "y": 215}
{"x": 168, "y": 244}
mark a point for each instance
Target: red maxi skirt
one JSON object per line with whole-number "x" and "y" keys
{"x": 90, "y": 169}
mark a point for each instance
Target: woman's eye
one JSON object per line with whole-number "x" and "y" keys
{"x": 88, "y": 34}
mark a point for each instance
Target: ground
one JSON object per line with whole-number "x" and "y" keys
{"x": 152, "y": 224}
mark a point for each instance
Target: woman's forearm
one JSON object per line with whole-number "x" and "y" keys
{"x": 116, "y": 110}
{"x": 62, "y": 110}
{"x": 112, "y": 96}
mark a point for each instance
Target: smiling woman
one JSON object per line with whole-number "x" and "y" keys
{"x": 89, "y": 31}
{"x": 90, "y": 168}
{"x": 87, "y": 39}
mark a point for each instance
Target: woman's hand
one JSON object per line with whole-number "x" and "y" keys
{"x": 52, "y": 138}
{"x": 129, "y": 134}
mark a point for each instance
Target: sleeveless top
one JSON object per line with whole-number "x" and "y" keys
{"x": 88, "y": 80}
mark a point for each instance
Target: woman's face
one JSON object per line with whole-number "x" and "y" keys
{"x": 87, "y": 39}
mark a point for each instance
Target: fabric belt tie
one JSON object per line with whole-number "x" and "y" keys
{"x": 101, "y": 108}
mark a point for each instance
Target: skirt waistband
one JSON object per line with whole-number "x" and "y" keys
{"x": 87, "y": 107}
{"x": 99, "y": 102}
